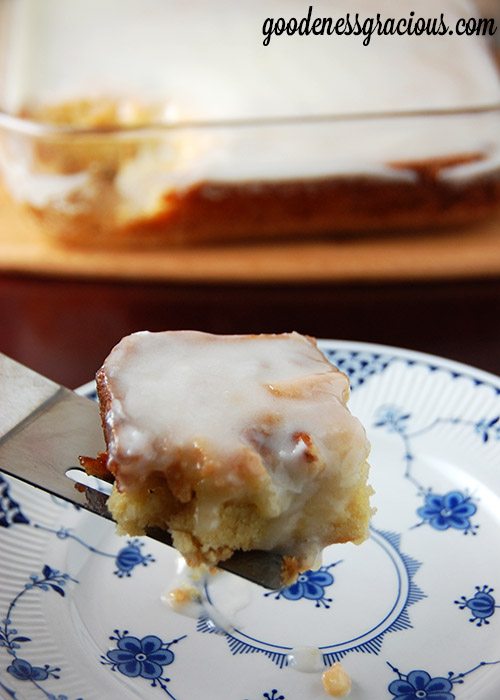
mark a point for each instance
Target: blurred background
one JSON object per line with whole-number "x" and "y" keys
{"x": 161, "y": 169}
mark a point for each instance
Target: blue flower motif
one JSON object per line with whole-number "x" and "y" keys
{"x": 274, "y": 694}
{"x": 50, "y": 579}
{"x": 144, "y": 658}
{"x": 310, "y": 585}
{"x": 419, "y": 684}
{"x": 131, "y": 556}
{"x": 24, "y": 671}
{"x": 10, "y": 510}
{"x": 488, "y": 428}
{"x": 482, "y": 605}
{"x": 21, "y": 669}
{"x": 393, "y": 418}
{"x": 126, "y": 559}
{"x": 140, "y": 657}
{"x": 453, "y": 510}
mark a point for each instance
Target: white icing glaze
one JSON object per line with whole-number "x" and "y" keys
{"x": 259, "y": 401}
{"x": 179, "y": 388}
{"x": 306, "y": 659}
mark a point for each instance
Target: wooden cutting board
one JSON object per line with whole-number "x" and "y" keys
{"x": 457, "y": 253}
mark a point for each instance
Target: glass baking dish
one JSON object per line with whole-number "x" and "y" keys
{"x": 100, "y": 155}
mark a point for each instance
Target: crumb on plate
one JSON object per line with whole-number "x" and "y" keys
{"x": 336, "y": 681}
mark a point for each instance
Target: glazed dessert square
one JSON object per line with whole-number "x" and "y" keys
{"x": 233, "y": 443}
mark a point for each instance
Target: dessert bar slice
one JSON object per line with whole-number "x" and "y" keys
{"x": 233, "y": 443}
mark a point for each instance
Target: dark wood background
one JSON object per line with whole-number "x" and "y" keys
{"x": 64, "y": 328}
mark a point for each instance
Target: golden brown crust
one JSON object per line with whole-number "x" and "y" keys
{"x": 323, "y": 206}
{"x": 96, "y": 466}
{"x": 105, "y": 398}
{"x": 214, "y": 211}
{"x": 223, "y": 212}
{"x": 290, "y": 569}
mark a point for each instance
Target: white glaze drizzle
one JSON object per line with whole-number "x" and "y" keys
{"x": 267, "y": 412}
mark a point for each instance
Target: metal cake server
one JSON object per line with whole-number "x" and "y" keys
{"x": 45, "y": 427}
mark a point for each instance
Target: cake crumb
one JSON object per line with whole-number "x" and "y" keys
{"x": 183, "y": 595}
{"x": 336, "y": 681}
{"x": 290, "y": 570}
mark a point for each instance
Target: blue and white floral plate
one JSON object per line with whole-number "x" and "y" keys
{"x": 412, "y": 613}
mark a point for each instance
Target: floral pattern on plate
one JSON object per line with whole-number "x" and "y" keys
{"x": 77, "y": 602}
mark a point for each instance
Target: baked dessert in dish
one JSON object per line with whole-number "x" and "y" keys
{"x": 310, "y": 135}
{"x": 233, "y": 443}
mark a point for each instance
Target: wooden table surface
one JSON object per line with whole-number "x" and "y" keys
{"x": 435, "y": 254}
